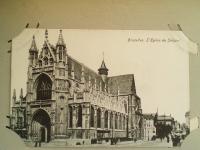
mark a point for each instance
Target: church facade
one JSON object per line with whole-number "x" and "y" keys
{"x": 67, "y": 100}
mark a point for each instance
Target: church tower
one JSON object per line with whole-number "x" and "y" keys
{"x": 103, "y": 71}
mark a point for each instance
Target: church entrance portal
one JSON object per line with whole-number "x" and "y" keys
{"x": 41, "y": 126}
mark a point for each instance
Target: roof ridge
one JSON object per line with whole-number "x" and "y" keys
{"x": 82, "y": 64}
{"x": 121, "y": 75}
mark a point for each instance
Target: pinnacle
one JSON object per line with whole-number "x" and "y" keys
{"x": 60, "y": 39}
{"x": 33, "y": 45}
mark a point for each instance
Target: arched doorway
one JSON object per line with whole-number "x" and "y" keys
{"x": 41, "y": 126}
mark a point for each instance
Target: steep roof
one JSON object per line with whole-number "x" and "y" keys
{"x": 149, "y": 116}
{"x": 164, "y": 117}
{"x": 124, "y": 84}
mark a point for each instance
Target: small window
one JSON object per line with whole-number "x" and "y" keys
{"x": 60, "y": 53}
{"x": 40, "y": 63}
{"x": 51, "y": 61}
{"x": 62, "y": 98}
{"x": 45, "y": 61}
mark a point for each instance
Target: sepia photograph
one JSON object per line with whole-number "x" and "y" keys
{"x": 94, "y": 88}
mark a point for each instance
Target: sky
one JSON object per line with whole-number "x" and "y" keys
{"x": 159, "y": 61}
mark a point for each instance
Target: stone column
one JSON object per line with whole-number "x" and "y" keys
{"x": 95, "y": 117}
{"x": 52, "y": 125}
{"x": 86, "y": 116}
{"x": 74, "y": 123}
{"x": 109, "y": 113}
{"x": 114, "y": 120}
{"x": 102, "y": 118}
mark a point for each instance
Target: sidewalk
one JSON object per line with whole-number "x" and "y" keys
{"x": 139, "y": 143}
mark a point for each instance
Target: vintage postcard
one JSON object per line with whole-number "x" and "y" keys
{"x": 73, "y": 87}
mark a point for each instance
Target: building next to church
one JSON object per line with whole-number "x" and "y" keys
{"x": 67, "y": 100}
{"x": 166, "y": 120}
{"x": 187, "y": 119}
{"x": 148, "y": 126}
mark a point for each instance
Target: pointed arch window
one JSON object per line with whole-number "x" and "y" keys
{"x": 111, "y": 120}
{"x": 116, "y": 121}
{"x": 44, "y": 88}
{"x": 98, "y": 118}
{"x": 70, "y": 117}
{"x": 120, "y": 122}
{"x": 106, "y": 119}
{"x": 124, "y": 123}
{"x": 92, "y": 117}
{"x": 60, "y": 53}
{"x": 79, "y": 122}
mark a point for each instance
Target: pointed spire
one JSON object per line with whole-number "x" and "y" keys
{"x": 33, "y": 45}
{"x": 103, "y": 69}
{"x": 46, "y": 38}
{"x": 157, "y": 110}
{"x": 21, "y": 94}
{"x": 60, "y": 39}
{"x": 103, "y": 65}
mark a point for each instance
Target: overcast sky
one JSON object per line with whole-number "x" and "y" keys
{"x": 158, "y": 59}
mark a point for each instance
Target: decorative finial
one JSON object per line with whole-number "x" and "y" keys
{"x": 27, "y": 25}
{"x": 38, "y": 24}
{"x": 103, "y": 56}
{"x": 14, "y": 94}
{"x": 46, "y": 34}
{"x": 33, "y": 45}
{"x": 21, "y": 93}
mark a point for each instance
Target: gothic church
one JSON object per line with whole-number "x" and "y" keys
{"x": 67, "y": 100}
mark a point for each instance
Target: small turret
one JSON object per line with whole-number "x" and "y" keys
{"x": 103, "y": 71}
